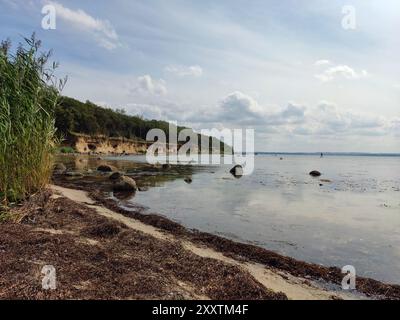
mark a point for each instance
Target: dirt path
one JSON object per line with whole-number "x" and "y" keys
{"x": 277, "y": 281}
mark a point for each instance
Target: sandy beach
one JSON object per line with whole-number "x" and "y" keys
{"x": 102, "y": 251}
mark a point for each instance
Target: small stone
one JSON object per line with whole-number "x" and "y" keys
{"x": 237, "y": 171}
{"x": 125, "y": 184}
{"x": 115, "y": 176}
{"x": 188, "y": 180}
{"x": 315, "y": 173}
{"x": 60, "y": 168}
{"x": 106, "y": 168}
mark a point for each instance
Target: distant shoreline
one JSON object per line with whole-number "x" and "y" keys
{"x": 341, "y": 154}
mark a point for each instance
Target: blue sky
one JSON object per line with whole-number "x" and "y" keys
{"x": 286, "y": 68}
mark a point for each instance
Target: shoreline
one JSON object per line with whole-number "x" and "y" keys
{"x": 326, "y": 277}
{"x": 75, "y": 216}
{"x": 98, "y": 254}
{"x": 330, "y": 277}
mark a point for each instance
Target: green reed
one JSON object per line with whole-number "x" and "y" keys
{"x": 29, "y": 93}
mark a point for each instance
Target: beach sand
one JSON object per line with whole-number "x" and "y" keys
{"x": 101, "y": 253}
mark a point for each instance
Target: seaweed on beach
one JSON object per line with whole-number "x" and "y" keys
{"x": 242, "y": 251}
{"x": 96, "y": 258}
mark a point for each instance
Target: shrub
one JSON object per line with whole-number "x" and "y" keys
{"x": 66, "y": 150}
{"x": 29, "y": 93}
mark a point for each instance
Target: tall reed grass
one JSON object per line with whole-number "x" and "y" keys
{"x": 29, "y": 93}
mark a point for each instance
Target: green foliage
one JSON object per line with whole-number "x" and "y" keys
{"x": 88, "y": 118}
{"x": 66, "y": 150}
{"x": 28, "y": 98}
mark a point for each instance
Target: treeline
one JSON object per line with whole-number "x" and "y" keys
{"x": 88, "y": 118}
{"x": 73, "y": 116}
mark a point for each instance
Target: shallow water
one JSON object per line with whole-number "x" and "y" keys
{"x": 352, "y": 220}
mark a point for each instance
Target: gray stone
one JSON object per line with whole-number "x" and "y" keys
{"x": 188, "y": 180}
{"x": 237, "y": 171}
{"x": 125, "y": 183}
{"x": 315, "y": 173}
{"x": 116, "y": 176}
{"x": 106, "y": 168}
{"x": 60, "y": 168}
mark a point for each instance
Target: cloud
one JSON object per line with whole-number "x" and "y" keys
{"x": 146, "y": 85}
{"x": 238, "y": 105}
{"x": 322, "y": 63}
{"x": 293, "y": 113}
{"x": 341, "y": 71}
{"x": 240, "y": 109}
{"x": 328, "y": 119}
{"x": 243, "y": 109}
{"x": 101, "y": 30}
{"x": 183, "y": 71}
{"x": 325, "y": 119}
{"x": 147, "y": 111}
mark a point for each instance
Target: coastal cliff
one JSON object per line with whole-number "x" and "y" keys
{"x": 82, "y": 143}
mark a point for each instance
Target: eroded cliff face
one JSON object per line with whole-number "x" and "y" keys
{"x": 86, "y": 144}
{"x": 106, "y": 145}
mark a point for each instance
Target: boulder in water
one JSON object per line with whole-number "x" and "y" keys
{"x": 315, "y": 173}
{"x": 106, "y": 168}
{"x": 115, "y": 176}
{"x": 188, "y": 180}
{"x": 125, "y": 183}
{"x": 60, "y": 168}
{"x": 237, "y": 171}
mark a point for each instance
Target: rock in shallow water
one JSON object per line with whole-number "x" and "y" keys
{"x": 188, "y": 180}
{"x": 106, "y": 168}
{"x": 237, "y": 171}
{"x": 60, "y": 168}
{"x": 125, "y": 184}
{"x": 315, "y": 173}
{"x": 116, "y": 176}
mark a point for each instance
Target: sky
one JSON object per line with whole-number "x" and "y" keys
{"x": 306, "y": 75}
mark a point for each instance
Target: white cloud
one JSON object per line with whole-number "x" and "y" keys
{"x": 146, "y": 85}
{"x": 240, "y": 109}
{"x": 102, "y": 30}
{"x": 147, "y": 111}
{"x": 324, "y": 119}
{"x": 183, "y": 71}
{"x": 322, "y": 63}
{"x": 328, "y": 119}
{"x": 341, "y": 71}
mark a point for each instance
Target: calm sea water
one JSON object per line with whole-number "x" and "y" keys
{"x": 352, "y": 219}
